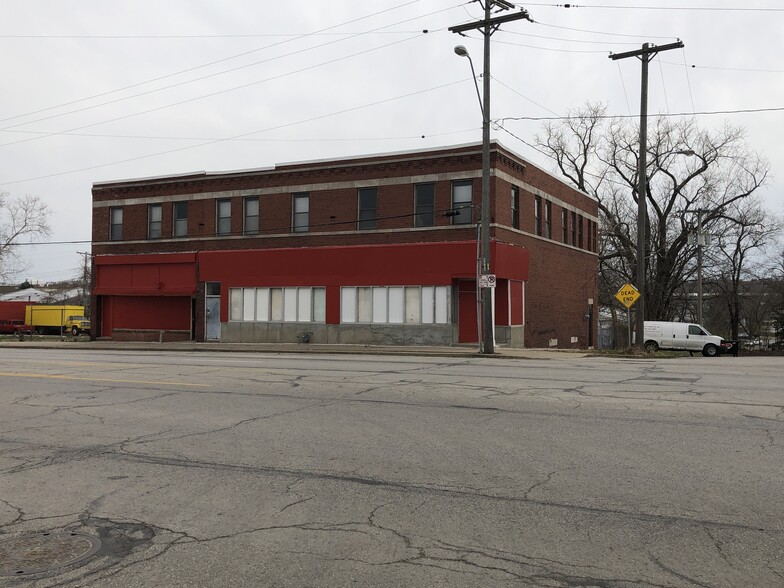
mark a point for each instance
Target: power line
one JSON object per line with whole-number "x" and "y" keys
{"x": 719, "y": 68}
{"x": 607, "y": 33}
{"x": 518, "y": 33}
{"x": 208, "y": 64}
{"x": 626, "y": 7}
{"x": 548, "y": 48}
{"x": 523, "y": 95}
{"x": 261, "y": 233}
{"x": 194, "y": 99}
{"x": 250, "y": 139}
{"x": 673, "y": 114}
{"x": 226, "y": 36}
{"x": 212, "y": 142}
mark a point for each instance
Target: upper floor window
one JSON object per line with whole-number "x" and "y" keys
{"x": 366, "y": 217}
{"x": 589, "y": 235}
{"x": 180, "y": 219}
{"x": 115, "y": 224}
{"x": 223, "y": 216}
{"x": 154, "y": 216}
{"x": 300, "y": 216}
{"x": 580, "y": 231}
{"x": 538, "y": 215}
{"x": 251, "y": 217}
{"x": 574, "y": 229}
{"x": 548, "y": 215}
{"x": 515, "y": 207}
{"x": 424, "y": 205}
{"x": 564, "y": 225}
{"x": 462, "y": 202}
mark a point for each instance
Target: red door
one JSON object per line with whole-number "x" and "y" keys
{"x": 468, "y": 331}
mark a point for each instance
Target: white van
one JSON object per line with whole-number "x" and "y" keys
{"x": 681, "y": 337}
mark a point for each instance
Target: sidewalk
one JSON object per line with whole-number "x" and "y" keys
{"x": 192, "y": 346}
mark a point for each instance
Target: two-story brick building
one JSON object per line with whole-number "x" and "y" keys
{"x": 379, "y": 249}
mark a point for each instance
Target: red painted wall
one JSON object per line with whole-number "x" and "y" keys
{"x": 145, "y": 275}
{"x": 12, "y": 310}
{"x": 146, "y": 312}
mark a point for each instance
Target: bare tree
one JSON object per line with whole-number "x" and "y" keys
{"x": 738, "y": 271}
{"x": 20, "y": 218}
{"x": 689, "y": 169}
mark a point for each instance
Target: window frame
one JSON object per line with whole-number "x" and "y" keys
{"x": 515, "y": 207}
{"x": 538, "y": 216}
{"x": 565, "y": 226}
{"x": 580, "y": 231}
{"x": 246, "y": 216}
{"x": 367, "y": 217}
{"x": 465, "y": 212}
{"x": 548, "y": 219}
{"x": 298, "y": 215}
{"x": 113, "y": 224}
{"x": 154, "y": 227}
{"x": 574, "y": 229}
{"x": 222, "y": 220}
{"x": 420, "y": 209}
{"x": 183, "y": 221}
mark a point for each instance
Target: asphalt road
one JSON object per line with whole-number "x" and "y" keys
{"x": 245, "y": 469}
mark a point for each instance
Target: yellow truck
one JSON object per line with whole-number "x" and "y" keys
{"x": 56, "y": 320}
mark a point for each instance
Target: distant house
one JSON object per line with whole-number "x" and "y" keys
{"x": 25, "y": 295}
{"x": 378, "y": 249}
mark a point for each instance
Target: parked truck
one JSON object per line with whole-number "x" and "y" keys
{"x": 57, "y": 320}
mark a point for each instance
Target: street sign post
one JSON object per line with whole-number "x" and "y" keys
{"x": 627, "y": 296}
{"x": 487, "y": 280}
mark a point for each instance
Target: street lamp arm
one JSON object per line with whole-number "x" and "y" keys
{"x": 463, "y": 52}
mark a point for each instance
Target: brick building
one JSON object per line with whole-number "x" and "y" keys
{"x": 380, "y": 249}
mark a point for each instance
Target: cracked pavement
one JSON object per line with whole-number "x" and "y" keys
{"x": 226, "y": 469}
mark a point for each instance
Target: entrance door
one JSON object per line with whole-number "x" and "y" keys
{"x": 467, "y": 327}
{"x": 212, "y": 311}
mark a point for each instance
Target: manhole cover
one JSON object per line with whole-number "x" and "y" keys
{"x": 45, "y": 552}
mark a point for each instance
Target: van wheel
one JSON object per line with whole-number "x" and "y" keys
{"x": 710, "y": 351}
{"x": 75, "y": 331}
{"x": 651, "y": 346}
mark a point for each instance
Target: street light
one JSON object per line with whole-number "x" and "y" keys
{"x": 486, "y": 337}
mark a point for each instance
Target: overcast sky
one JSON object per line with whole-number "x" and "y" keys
{"x": 100, "y": 90}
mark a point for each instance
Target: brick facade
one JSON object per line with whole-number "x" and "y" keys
{"x": 561, "y": 277}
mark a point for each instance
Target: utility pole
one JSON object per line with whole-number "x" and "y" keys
{"x": 488, "y": 25}
{"x": 85, "y": 276}
{"x": 645, "y": 55}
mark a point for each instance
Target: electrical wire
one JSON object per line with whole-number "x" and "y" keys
{"x": 627, "y": 7}
{"x": 226, "y": 36}
{"x": 664, "y": 89}
{"x": 673, "y": 114}
{"x": 623, "y": 85}
{"x": 258, "y": 140}
{"x": 261, "y": 233}
{"x": 211, "y": 63}
{"x": 745, "y": 69}
{"x": 547, "y": 48}
{"x": 201, "y": 97}
{"x": 212, "y": 142}
{"x": 518, "y": 33}
{"x": 688, "y": 78}
{"x": 495, "y": 79}
{"x": 607, "y": 33}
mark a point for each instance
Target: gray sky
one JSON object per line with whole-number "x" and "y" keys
{"x": 101, "y": 90}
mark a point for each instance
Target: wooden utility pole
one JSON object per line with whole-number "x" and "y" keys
{"x": 645, "y": 55}
{"x": 488, "y": 25}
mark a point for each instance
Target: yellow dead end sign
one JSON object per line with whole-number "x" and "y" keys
{"x": 627, "y": 295}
